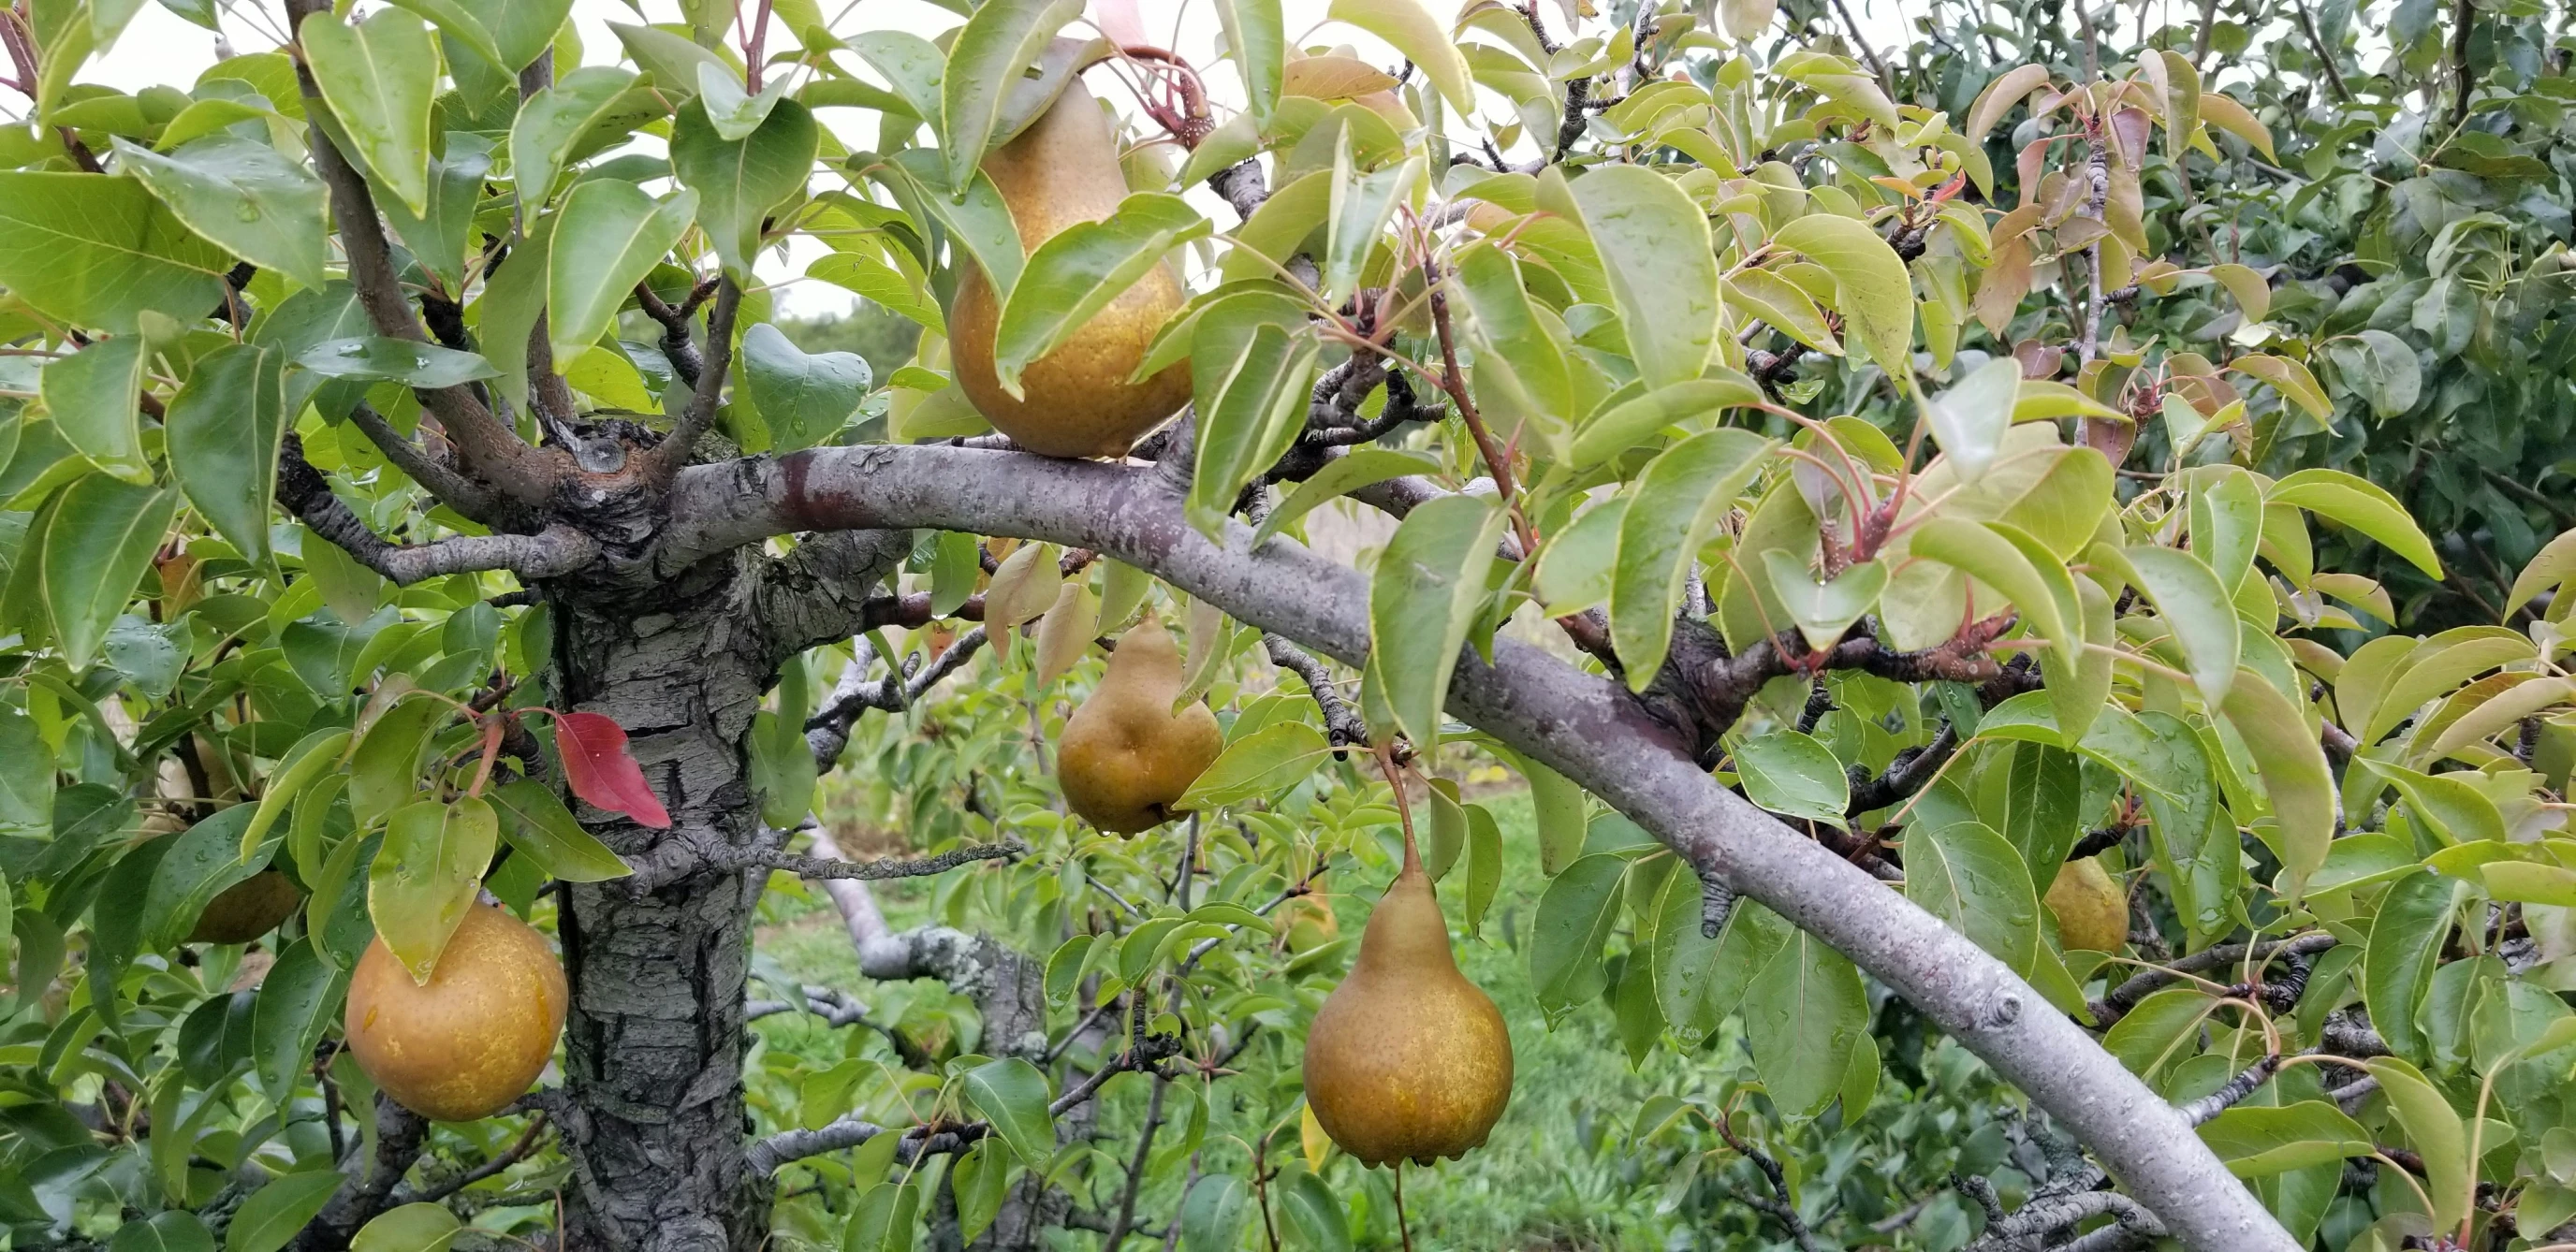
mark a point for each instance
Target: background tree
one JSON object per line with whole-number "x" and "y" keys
{"x": 410, "y": 494}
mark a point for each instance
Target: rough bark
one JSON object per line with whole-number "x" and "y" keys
{"x": 654, "y": 1042}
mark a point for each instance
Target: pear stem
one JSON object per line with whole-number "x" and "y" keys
{"x": 1403, "y": 808}
{"x": 1402, "y": 1229}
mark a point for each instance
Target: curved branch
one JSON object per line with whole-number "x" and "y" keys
{"x": 850, "y": 1131}
{"x": 302, "y": 491}
{"x": 826, "y": 867}
{"x": 1583, "y": 726}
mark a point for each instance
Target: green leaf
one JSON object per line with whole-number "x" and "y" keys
{"x": 521, "y": 30}
{"x": 1802, "y": 1016}
{"x": 1214, "y": 1211}
{"x": 1012, "y": 1095}
{"x": 2405, "y": 944}
{"x": 225, "y": 428}
{"x": 1256, "y": 31}
{"x": 171, "y": 1230}
{"x": 1360, "y": 467}
{"x": 536, "y": 823}
{"x": 2296, "y": 778}
{"x": 203, "y": 861}
{"x": 1676, "y": 504}
{"x": 992, "y": 51}
{"x": 411, "y": 362}
{"x": 1262, "y": 764}
{"x": 974, "y": 216}
{"x": 740, "y": 181}
{"x": 426, "y": 876}
{"x": 1972, "y": 878}
{"x": 1987, "y": 555}
{"x": 96, "y": 251}
{"x": 1081, "y": 270}
{"x": 1577, "y": 561}
{"x": 1574, "y": 919}
{"x": 2197, "y": 609}
{"x": 803, "y": 399}
{"x": 1484, "y": 867}
{"x": 1361, "y": 205}
{"x": 555, "y": 121}
{"x": 1411, "y": 29}
{"x": 274, "y": 1213}
{"x": 782, "y": 767}
{"x": 315, "y": 752}
{"x": 2362, "y": 505}
{"x": 1873, "y": 291}
{"x": 410, "y": 1228}
{"x": 297, "y": 1001}
{"x": 2257, "y": 1139}
{"x": 380, "y": 78}
{"x": 244, "y": 197}
{"x": 1427, "y": 589}
{"x": 101, "y": 539}
{"x": 607, "y": 237}
{"x": 1313, "y": 1211}
{"x": 438, "y": 236}
{"x": 1615, "y": 428}
{"x": 1793, "y": 775}
{"x": 734, "y": 114}
{"x": 1253, "y": 356}
{"x": 2292, "y": 380}
{"x": 94, "y": 396}
{"x": 1969, "y": 420}
{"x": 2437, "y": 1132}
{"x": 1824, "y": 611}
{"x": 1655, "y": 251}
{"x": 2040, "y": 807}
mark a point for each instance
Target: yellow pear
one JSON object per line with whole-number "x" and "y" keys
{"x": 1407, "y": 1059}
{"x": 469, "y": 1041}
{"x": 2092, "y": 912}
{"x": 1124, "y": 756}
{"x": 1076, "y": 400}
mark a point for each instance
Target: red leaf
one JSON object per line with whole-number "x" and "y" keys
{"x": 595, "y": 762}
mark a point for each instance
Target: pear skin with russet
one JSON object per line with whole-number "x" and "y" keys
{"x": 1080, "y": 399}
{"x": 1125, "y": 757}
{"x": 1407, "y": 1060}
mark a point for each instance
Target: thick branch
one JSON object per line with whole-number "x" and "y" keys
{"x": 367, "y": 1185}
{"x": 1583, "y": 726}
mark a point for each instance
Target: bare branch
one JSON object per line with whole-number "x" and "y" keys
{"x": 2237, "y": 1088}
{"x": 766, "y": 1155}
{"x": 1343, "y": 727}
{"x": 2116, "y": 1003}
{"x": 528, "y": 1143}
{"x": 2057, "y": 1212}
{"x": 823, "y": 867}
{"x": 434, "y": 475}
{"x": 665, "y": 461}
{"x": 302, "y": 491}
{"x": 827, "y": 733}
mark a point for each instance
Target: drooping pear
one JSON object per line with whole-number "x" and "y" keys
{"x": 1076, "y": 401}
{"x": 1124, "y": 756}
{"x": 2092, "y": 912}
{"x": 1407, "y": 1060}
{"x": 469, "y": 1041}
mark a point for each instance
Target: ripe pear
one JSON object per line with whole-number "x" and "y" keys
{"x": 469, "y": 1041}
{"x": 247, "y": 909}
{"x": 1407, "y": 1059}
{"x": 1124, "y": 756}
{"x": 1076, "y": 400}
{"x": 2092, "y": 912}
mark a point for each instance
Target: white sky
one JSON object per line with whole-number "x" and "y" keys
{"x": 159, "y": 47}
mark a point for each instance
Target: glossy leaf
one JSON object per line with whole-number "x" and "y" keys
{"x": 1803, "y": 1014}
{"x": 739, "y": 182}
{"x": 1793, "y": 775}
{"x": 990, "y": 53}
{"x": 1012, "y": 1095}
{"x": 1972, "y": 878}
{"x": 607, "y": 237}
{"x": 99, "y": 544}
{"x": 274, "y": 1213}
{"x": 426, "y": 876}
{"x": 243, "y": 197}
{"x": 94, "y": 397}
{"x": 1080, "y": 270}
{"x": 96, "y": 251}
{"x": 1872, "y": 290}
{"x": 1426, "y": 592}
{"x": 802, "y": 398}
{"x": 380, "y": 78}
{"x": 1677, "y": 502}
{"x": 540, "y": 828}
{"x": 1655, "y": 251}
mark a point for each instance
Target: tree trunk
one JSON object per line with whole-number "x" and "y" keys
{"x": 654, "y": 1042}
